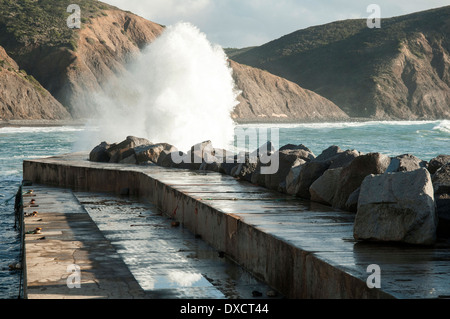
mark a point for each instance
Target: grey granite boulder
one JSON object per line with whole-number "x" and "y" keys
{"x": 436, "y": 163}
{"x": 397, "y": 207}
{"x": 100, "y": 153}
{"x": 288, "y": 158}
{"x": 125, "y": 149}
{"x": 343, "y": 159}
{"x": 405, "y": 163}
{"x": 292, "y": 177}
{"x": 324, "y": 188}
{"x": 199, "y": 153}
{"x": 329, "y": 153}
{"x": 353, "y": 175}
{"x": 308, "y": 175}
{"x": 169, "y": 159}
{"x": 151, "y": 153}
{"x": 129, "y": 160}
{"x": 245, "y": 167}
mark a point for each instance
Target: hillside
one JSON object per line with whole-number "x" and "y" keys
{"x": 266, "y": 97}
{"x": 72, "y": 63}
{"x": 401, "y": 71}
{"x": 22, "y": 97}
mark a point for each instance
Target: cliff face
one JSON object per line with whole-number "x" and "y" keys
{"x": 321, "y": 73}
{"x": 70, "y": 63}
{"x": 400, "y": 71}
{"x": 416, "y": 84}
{"x": 22, "y": 97}
{"x": 79, "y": 63}
{"x": 105, "y": 44}
{"x": 266, "y": 97}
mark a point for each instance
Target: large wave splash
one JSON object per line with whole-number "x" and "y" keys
{"x": 180, "y": 91}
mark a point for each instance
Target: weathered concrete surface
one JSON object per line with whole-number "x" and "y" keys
{"x": 125, "y": 250}
{"x": 68, "y": 237}
{"x": 302, "y": 249}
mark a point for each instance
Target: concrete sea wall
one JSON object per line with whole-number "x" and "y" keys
{"x": 300, "y": 257}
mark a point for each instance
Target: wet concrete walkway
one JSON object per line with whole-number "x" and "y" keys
{"x": 304, "y": 250}
{"x": 125, "y": 249}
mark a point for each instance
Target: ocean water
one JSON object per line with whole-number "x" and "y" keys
{"x": 425, "y": 140}
{"x": 16, "y": 145}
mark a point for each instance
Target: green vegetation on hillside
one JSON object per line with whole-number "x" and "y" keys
{"x": 231, "y": 52}
{"x": 344, "y": 60}
{"x": 26, "y": 24}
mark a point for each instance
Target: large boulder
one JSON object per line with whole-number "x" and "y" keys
{"x": 198, "y": 155}
{"x": 437, "y": 162}
{"x": 125, "y": 149}
{"x": 324, "y": 188}
{"x": 343, "y": 159}
{"x": 405, "y": 163}
{"x": 293, "y": 176}
{"x": 100, "y": 153}
{"x": 152, "y": 153}
{"x": 292, "y": 147}
{"x": 329, "y": 153}
{"x": 265, "y": 149}
{"x": 309, "y": 173}
{"x": 441, "y": 185}
{"x": 331, "y": 158}
{"x": 353, "y": 175}
{"x": 287, "y": 159}
{"x": 170, "y": 159}
{"x": 397, "y": 207}
{"x": 245, "y": 167}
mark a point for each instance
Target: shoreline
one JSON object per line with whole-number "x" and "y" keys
{"x": 82, "y": 122}
{"x": 40, "y": 123}
{"x": 349, "y": 120}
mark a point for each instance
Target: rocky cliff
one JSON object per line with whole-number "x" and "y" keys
{"x": 22, "y": 97}
{"x": 400, "y": 71}
{"x": 322, "y": 73}
{"x": 266, "y": 97}
{"x": 72, "y": 63}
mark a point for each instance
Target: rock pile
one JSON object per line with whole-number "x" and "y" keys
{"x": 399, "y": 199}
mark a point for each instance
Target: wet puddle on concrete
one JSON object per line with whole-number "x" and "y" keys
{"x": 164, "y": 257}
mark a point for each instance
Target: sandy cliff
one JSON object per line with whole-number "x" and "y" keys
{"x": 22, "y": 97}
{"x": 266, "y": 97}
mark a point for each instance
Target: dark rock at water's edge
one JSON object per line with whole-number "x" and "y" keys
{"x": 399, "y": 199}
{"x": 437, "y": 162}
{"x": 100, "y": 153}
{"x": 441, "y": 185}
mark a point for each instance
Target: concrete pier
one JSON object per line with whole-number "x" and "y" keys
{"x": 70, "y": 237}
{"x": 124, "y": 249}
{"x": 301, "y": 249}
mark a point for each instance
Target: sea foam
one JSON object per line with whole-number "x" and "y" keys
{"x": 180, "y": 90}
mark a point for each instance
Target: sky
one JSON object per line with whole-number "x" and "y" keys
{"x": 244, "y": 23}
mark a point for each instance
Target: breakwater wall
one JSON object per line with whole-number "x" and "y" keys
{"x": 301, "y": 249}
